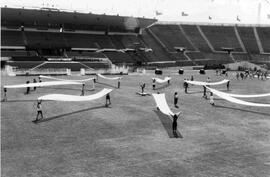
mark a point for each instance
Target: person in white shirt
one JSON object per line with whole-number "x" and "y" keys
{"x": 212, "y": 99}
{"x": 39, "y": 110}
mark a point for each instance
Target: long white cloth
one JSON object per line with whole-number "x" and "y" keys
{"x": 43, "y": 84}
{"x": 207, "y": 83}
{"x": 109, "y": 78}
{"x": 162, "y": 104}
{"x": 158, "y": 80}
{"x": 235, "y": 100}
{"x": 248, "y": 96}
{"x": 62, "y": 97}
{"x": 54, "y": 78}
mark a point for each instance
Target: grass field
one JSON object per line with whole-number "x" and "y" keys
{"x": 131, "y": 138}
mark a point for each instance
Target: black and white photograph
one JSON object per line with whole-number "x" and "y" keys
{"x": 135, "y": 88}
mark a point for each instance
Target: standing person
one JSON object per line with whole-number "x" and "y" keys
{"x": 82, "y": 93}
{"x": 119, "y": 82}
{"x": 192, "y": 78}
{"x": 108, "y": 100}
{"x": 174, "y": 123}
{"x": 204, "y": 92}
{"x": 175, "y": 99}
{"x": 142, "y": 87}
{"x": 185, "y": 86}
{"x": 208, "y": 79}
{"x": 228, "y": 85}
{"x": 237, "y": 75}
{"x": 154, "y": 84}
{"x": 39, "y": 111}
{"x": 27, "y": 88}
{"x": 212, "y": 99}
{"x": 39, "y": 79}
{"x": 242, "y": 75}
{"x": 5, "y": 94}
{"x": 35, "y": 81}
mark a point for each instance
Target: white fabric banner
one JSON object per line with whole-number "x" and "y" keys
{"x": 109, "y": 78}
{"x": 235, "y": 100}
{"x": 62, "y": 97}
{"x": 248, "y": 96}
{"x": 42, "y": 84}
{"x": 207, "y": 83}
{"x": 162, "y": 104}
{"x": 158, "y": 80}
{"x": 54, "y": 78}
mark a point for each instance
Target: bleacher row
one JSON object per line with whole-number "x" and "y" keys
{"x": 203, "y": 44}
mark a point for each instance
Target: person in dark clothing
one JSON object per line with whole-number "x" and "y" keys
{"x": 175, "y": 99}
{"x": 168, "y": 81}
{"x": 27, "y": 88}
{"x": 174, "y": 123}
{"x": 204, "y": 92}
{"x": 154, "y": 84}
{"x": 108, "y": 100}
{"x": 39, "y": 111}
{"x": 118, "y": 83}
{"x": 185, "y": 86}
{"x": 192, "y": 78}
{"x": 39, "y": 79}
{"x": 228, "y": 85}
{"x": 242, "y": 75}
{"x": 35, "y": 81}
{"x": 142, "y": 87}
{"x": 5, "y": 94}
{"x": 82, "y": 93}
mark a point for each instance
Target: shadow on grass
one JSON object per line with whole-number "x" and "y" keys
{"x": 167, "y": 124}
{"x": 67, "y": 114}
{"x": 162, "y": 87}
{"x": 64, "y": 88}
{"x": 109, "y": 85}
{"x": 19, "y": 101}
{"x": 246, "y": 110}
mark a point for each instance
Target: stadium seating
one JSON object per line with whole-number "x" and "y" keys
{"x": 264, "y": 34}
{"x": 195, "y": 55}
{"x": 241, "y": 56}
{"x": 158, "y": 51}
{"x": 45, "y": 40}
{"x": 11, "y": 38}
{"x": 222, "y": 36}
{"x": 119, "y": 57}
{"x": 171, "y": 36}
{"x": 194, "y": 35}
{"x": 248, "y": 37}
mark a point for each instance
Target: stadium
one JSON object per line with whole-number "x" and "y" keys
{"x": 90, "y": 94}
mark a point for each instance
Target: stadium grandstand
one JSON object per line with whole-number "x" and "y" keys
{"x": 40, "y": 38}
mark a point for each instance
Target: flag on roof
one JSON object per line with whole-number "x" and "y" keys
{"x": 158, "y": 13}
{"x": 184, "y": 14}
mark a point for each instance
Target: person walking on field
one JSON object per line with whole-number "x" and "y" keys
{"x": 39, "y": 111}
{"x": 154, "y": 84}
{"x": 83, "y": 85}
{"x": 175, "y": 99}
{"x": 204, "y": 92}
{"x": 212, "y": 99}
{"x": 119, "y": 82}
{"x": 108, "y": 100}
{"x": 185, "y": 86}
{"x": 228, "y": 85}
{"x": 27, "y": 88}
{"x": 5, "y": 94}
{"x": 35, "y": 81}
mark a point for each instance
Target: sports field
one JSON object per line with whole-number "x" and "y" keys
{"x": 131, "y": 138}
